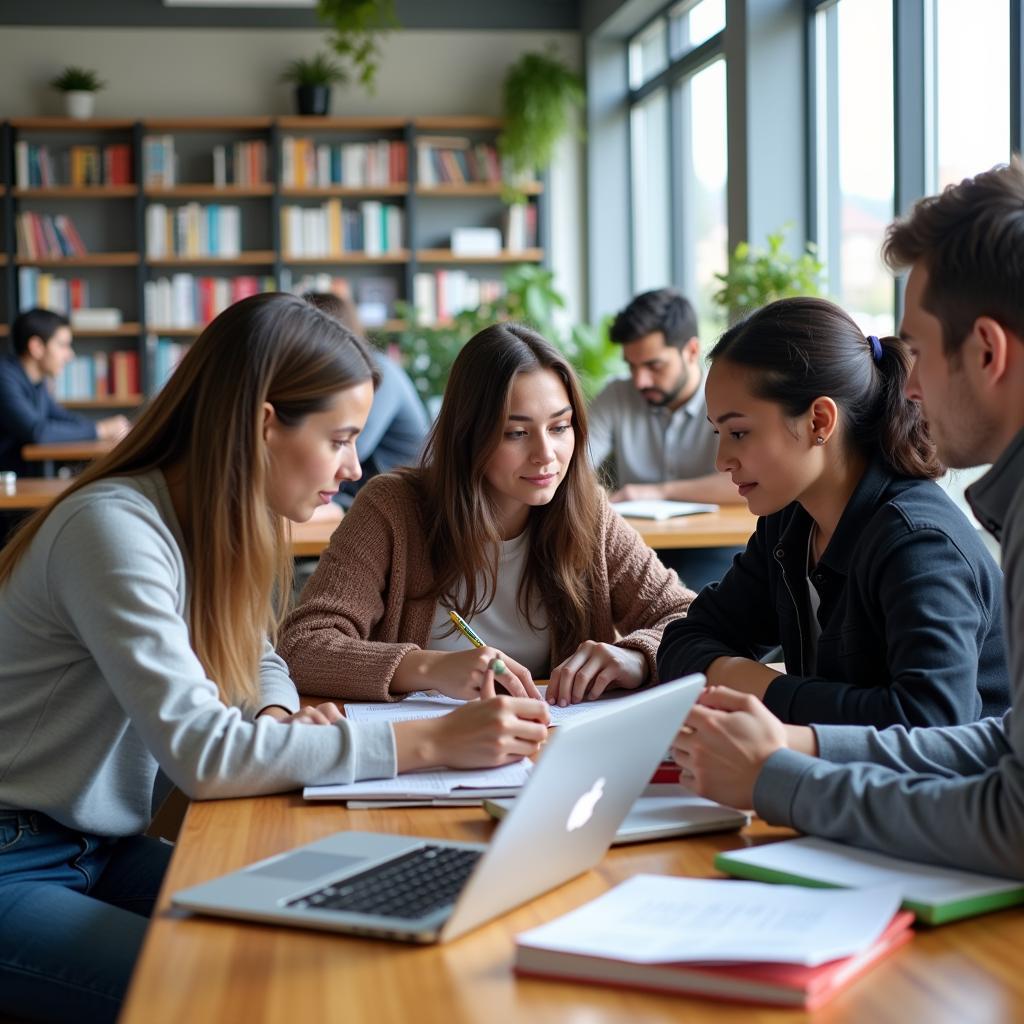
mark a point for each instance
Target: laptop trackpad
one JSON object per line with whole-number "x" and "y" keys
{"x": 305, "y": 866}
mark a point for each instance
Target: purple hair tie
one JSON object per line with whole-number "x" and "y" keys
{"x": 876, "y": 348}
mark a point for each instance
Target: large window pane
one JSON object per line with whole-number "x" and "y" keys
{"x": 854, "y": 119}
{"x": 972, "y": 87}
{"x": 694, "y": 23}
{"x": 705, "y": 229}
{"x": 648, "y": 53}
{"x": 649, "y": 131}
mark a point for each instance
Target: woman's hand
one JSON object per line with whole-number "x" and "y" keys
{"x": 592, "y": 669}
{"x": 725, "y": 742}
{"x": 323, "y": 714}
{"x": 465, "y": 675}
{"x": 482, "y": 734}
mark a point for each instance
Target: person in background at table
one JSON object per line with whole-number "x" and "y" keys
{"x": 134, "y": 614}
{"x": 650, "y": 429}
{"x": 955, "y": 795}
{"x": 41, "y": 342}
{"x": 504, "y": 523}
{"x": 397, "y": 425}
{"x": 880, "y": 591}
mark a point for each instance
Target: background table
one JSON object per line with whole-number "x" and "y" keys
{"x": 730, "y": 526}
{"x": 194, "y": 968}
{"x": 65, "y": 451}
{"x": 30, "y": 493}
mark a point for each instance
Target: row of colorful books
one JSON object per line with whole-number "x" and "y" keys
{"x": 37, "y": 166}
{"x": 306, "y": 163}
{"x": 370, "y": 227}
{"x": 243, "y": 163}
{"x": 439, "y": 295}
{"x": 187, "y": 300}
{"x": 159, "y": 161}
{"x": 100, "y": 375}
{"x": 38, "y": 289}
{"x": 46, "y": 236}
{"x": 453, "y": 159}
{"x": 193, "y": 229}
{"x": 163, "y": 356}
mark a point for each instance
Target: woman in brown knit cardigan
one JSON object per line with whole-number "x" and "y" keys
{"x": 504, "y": 523}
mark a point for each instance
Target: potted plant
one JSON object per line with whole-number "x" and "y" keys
{"x": 357, "y": 26}
{"x": 540, "y": 98}
{"x": 756, "y": 277}
{"x": 79, "y": 86}
{"x": 313, "y": 79}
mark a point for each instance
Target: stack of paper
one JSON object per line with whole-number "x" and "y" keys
{"x": 936, "y": 895}
{"x": 655, "y": 509}
{"x": 728, "y": 940}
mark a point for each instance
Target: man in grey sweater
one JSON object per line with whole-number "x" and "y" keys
{"x": 952, "y": 795}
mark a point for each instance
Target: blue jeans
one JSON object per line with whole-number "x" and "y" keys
{"x": 73, "y": 913}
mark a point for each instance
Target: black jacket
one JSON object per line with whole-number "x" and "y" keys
{"x": 29, "y": 415}
{"x": 910, "y": 614}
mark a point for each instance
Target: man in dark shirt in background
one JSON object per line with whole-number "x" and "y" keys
{"x": 41, "y": 341}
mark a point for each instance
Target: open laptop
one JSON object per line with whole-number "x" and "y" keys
{"x": 430, "y": 890}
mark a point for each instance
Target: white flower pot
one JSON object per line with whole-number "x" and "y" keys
{"x": 79, "y": 104}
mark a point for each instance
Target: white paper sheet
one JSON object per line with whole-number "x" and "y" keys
{"x": 430, "y": 705}
{"x": 659, "y": 919}
{"x": 659, "y": 509}
{"x": 428, "y": 785}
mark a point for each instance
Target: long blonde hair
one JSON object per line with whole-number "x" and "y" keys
{"x": 271, "y": 348}
{"x": 460, "y": 519}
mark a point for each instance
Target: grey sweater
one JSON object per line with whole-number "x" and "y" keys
{"x": 952, "y": 795}
{"x": 99, "y": 684}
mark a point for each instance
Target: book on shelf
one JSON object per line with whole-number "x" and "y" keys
{"x": 438, "y": 295}
{"x": 38, "y": 289}
{"x": 163, "y": 356}
{"x": 707, "y": 938}
{"x": 100, "y": 375}
{"x": 443, "y": 160}
{"x": 193, "y": 230}
{"x": 36, "y": 166}
{"x": 46, "y": 236}
{"x": 99, "y": 318}
{"x": 333, "y": 228}
{"x": 305, "y": 163}
{"x": 187, "y": 301}
{"x": 159, "y": 161}
{"x": 520, "y": 226}
{"x": 476, "y": 241}
{"x": 243, "y": 163}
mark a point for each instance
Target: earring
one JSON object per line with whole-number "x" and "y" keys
{"x": 819, "y": 440}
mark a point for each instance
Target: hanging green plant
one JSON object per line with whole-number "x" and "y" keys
{"x": 540, "y": 98}
{"x": 357, "y": 27}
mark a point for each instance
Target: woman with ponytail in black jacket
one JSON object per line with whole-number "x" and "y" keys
{"x": 880, "y": 591}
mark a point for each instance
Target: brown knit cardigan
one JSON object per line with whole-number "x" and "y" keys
{"x": 356, "y": 619}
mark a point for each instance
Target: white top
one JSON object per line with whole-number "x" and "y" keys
{"x": 501, "y": 624}
{"x": 99, "y": 683}
{"x": 650, "y": 443}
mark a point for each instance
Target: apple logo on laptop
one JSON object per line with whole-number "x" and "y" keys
{"x": 583, "y": 809}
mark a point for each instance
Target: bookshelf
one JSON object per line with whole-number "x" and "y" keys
{"x": 291, "y": 228}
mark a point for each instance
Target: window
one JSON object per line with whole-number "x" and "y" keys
{"x": 678, "y": 153}
{"x": 971, "y": 96}
{"x": 854, "y": 155}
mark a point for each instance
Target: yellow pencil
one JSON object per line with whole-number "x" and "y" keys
{"x": 497, "y": 666}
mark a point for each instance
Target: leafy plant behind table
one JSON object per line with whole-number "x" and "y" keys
{"x": 74, "y": 79}
{"x": 756, "y": 277}
{"x": 357, "y": 28}
{"x": 428, "y": 351}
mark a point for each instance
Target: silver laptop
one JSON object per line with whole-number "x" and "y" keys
{"x": 429, "y": 890}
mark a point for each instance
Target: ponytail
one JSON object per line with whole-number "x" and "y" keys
{"x": 800, "y": 349}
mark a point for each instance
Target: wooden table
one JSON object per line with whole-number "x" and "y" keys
{"x": 194, "y": 968}
{"x": 730, "y": 526}
{"x": 65, "y": 451}
{"x": 30, "y": 493}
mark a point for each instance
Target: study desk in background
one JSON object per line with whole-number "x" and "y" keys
{"x": 29, "y": 493}
{"x": 730, "y": 526}
{"x": 194, "y": 968}
{"x": 65, "y": 451}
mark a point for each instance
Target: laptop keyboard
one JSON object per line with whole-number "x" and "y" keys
{"x": 412, "y": 885}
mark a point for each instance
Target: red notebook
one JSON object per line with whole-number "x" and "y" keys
{"x": 776, "y": 984}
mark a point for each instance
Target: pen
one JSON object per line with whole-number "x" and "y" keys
{"x": 497, "y": 666}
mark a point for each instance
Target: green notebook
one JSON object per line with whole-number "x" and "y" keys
{"x": 935, "y": 895}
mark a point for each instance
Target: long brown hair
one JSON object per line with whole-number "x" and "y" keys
{"x": 461, "y": 524}
{"x": 208, "y": 419}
